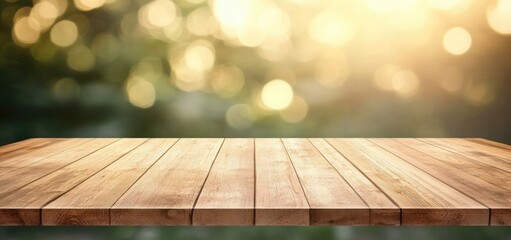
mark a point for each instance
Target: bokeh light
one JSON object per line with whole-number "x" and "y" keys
{"x": 329, "y": 28}
{"x": 64, "y": 33}
{"x": 141, "y": 93}
{"x": 87, "y": 5}
{"x": 263, "y": 67}
{"x": 157, "y": 14}
{"x": 499, "y": 16}
{"x": 27, "y": 30}
{"x": 277, "y": 94}
{"x": 457, "y": 41}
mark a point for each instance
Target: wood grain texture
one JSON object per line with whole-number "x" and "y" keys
{"x": 14, "y": 162}
{"x": 332, "y": 200}
{"x": 382, "y": 210}
{"x": 423, "y": 199}
{"x": 26, "y": 146}
{"x": 168, "y": 191}
{"x": 490, "y": 185}
{"x": 246, "y": 181}
{"x": 488, "y": 155}
{"x": 227, "y": 197}
{"x": 489, "y": 143}
{"x": 280, "y": 199}
{"x": 45, "y": 189}
{"x": 89, "y": 203}
{"x": 25, "y": 174}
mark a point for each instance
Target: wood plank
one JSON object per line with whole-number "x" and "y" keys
{"x": 489, "y": 143}
{"x": 9, "y": 163}
{"x": 382, "y": 210}
{"x": 475, "y": 167}
{"x": 89, "y": 203}
{"x": 280, "y": 199}
{"x": 166, "y": 194}
{"x": 489, "y": 194}
{"x": 489, "y": 155}
{"x": 423, "y": 199}
{"x": 43, "y": 190}
{"x": 332, "y": 200}
{"x": 42, "y": 167}
{"x": 25, "y": 146}
{"x": 227, "y": 197}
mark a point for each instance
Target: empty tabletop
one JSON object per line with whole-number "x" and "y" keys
{"x": 255, "y": 181}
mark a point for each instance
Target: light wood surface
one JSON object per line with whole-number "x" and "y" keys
{"x": 262, "y": 181}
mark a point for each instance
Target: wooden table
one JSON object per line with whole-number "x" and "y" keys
{"x": 235, "y": 181}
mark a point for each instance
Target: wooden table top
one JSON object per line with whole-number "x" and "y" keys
{"x": 262, "y": 181}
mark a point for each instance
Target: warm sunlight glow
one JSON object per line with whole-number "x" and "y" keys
{"x": 157, "y": 14}
{"x": 64, "y": 33}
{"x": 457, "y": 41}
{"x": 26, "y": 30}
{"x": 277, "y": 94}
{"x": 499, "y": 17}
{"x": 87, "y": 5}
{"x": 142, "y": 94}
{"x": 330, "y": 29}
{"x": 199, "y": 56}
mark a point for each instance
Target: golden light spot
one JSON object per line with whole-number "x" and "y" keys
{"x": 377, "y": 5}
{"x": 240, "y": 116}
{"x": 446, "y": 5}
{"x": 66, "y": 89}
{"x": 297, "y": 111}
{"x": 232, "y": 13}
{"x": 330, "y": 29}
{"x": 64, "y": 33}
{"x": 250, "y": 22}
{"x": 227, "y": 81}
{"x": 391, "y": 5}
{"x": 141, "y": 94}
{"x": 184, "y": 77}
{"x": 199, "y": 56}
{"x": 273, "y": 22}
{"x": 405, "y": 83}
{"x": 457, "y": 41}
{"x": 195, "y": 1}
{"x": 277, "y": 94}
{"x": 157, "y": 14}
{"x": 200, "y": 22}
{"x": 383, "y": 77}
{"x": 499, "y": 17}
{"x": 87, "y": 5}
{"x": 174, "y": 31}
{"x": 26, "y": 31}
{"x": 45, "y": 12}
{"x": 80, "y": 58}
{"x": 452, "y": 79}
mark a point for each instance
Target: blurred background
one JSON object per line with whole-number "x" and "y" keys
{"x": 262, "y": 68}
{"x": 255, "y": 68}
